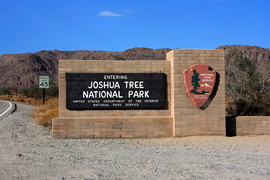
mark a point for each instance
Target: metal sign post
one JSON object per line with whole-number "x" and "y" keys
{"x": 44, "y": 83}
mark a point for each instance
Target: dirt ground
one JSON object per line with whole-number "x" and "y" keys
{"x": 28, "y": 151}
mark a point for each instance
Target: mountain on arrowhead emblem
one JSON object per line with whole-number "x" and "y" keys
{"x": 201, "y": 83}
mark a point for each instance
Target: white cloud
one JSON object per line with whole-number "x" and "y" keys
{"x": 109, "y": 13}
{"x": 128, "y": 10}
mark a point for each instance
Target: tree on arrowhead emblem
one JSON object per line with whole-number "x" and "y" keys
{"x": 201, "y": 84}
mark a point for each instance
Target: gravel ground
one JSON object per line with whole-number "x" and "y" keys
{"x": 28, "y": 151}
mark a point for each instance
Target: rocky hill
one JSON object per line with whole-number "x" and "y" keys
{"x": 22, "y": 70}
{"x": 262, "y": 55}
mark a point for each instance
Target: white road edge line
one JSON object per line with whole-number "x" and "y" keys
{"x": 10, "y": 106}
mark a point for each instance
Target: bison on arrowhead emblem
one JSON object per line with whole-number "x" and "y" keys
{"x": 201, "y": 83}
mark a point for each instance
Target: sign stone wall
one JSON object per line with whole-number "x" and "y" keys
{"x": 137, "y": 99}
{"x": 187, "y": 119}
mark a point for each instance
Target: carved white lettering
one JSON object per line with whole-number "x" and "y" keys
{"x": 138, "y": 94}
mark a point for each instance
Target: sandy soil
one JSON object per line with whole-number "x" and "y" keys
{"x": 28, "y": 151}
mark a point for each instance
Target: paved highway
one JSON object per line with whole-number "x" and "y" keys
{"x": 6, "y": 108}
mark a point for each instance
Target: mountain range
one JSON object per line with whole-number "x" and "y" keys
{"x": 23, "y": 70}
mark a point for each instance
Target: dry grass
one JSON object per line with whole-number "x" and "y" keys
{"x": 22, "y": 98}
{"x": 43, "y": 114}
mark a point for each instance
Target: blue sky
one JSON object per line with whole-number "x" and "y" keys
{"x": 116, "y": 25}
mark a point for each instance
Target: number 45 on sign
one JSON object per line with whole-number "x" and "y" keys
{"x": 43, "y": 81}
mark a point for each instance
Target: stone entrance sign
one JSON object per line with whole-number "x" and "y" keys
{"x": 142, "y": 98}
{"x": 92, "y": 91}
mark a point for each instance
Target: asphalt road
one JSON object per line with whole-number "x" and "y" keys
{"x": 6, "y": 108}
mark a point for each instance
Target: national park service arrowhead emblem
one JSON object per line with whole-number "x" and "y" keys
{"x": 201, "y": 83}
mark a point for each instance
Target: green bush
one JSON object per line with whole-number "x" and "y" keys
{"x": 53, "y": 90}
{"x": 36, "y": 92}
{"x": 4, "y": 91}
{"x": 247, "y": 88}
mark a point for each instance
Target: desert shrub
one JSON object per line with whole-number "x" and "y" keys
{"x": 53, "y": 90}
{"x": 4, "y": 91}
{"x": 247, "y": 88}
{"x": 36, "y": 92}
{"x": 33, "y": 91}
